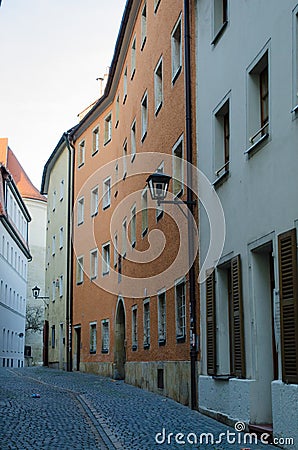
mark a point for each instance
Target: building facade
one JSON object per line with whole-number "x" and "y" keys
{"x": 57, "y": 185}
{"x": 247, "y": 140}
{"x": 36, "y": 205}
{"x": 14, "y": 255}
{"x": 131, "y": 316}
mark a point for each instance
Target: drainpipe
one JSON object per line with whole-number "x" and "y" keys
{"x": 69, "y": 297}
{"x": 190, "y": 202}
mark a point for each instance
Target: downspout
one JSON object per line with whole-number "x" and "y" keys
{"x": 69, "y": 297}
{"x": 190, "y": 202}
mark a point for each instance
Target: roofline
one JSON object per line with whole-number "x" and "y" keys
{"x": 104, "y": 101}
{"x": 52, "y": 159}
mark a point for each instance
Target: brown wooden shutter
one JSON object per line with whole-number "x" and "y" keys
{"x": 211, "y": 323}
{"x": 237, "y": 327}
{"x": 287, "y": 252}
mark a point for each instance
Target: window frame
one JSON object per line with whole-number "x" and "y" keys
{"x": 80, "y": 270}
{"x": 133, "y": 56}
{"x": 134, "y": 327}
{"x": 178, "y": 143}
{"x": 162, "y": 318}
{"x": 95, "y": 140}
{"x": 81, "y": 153}
{"x": 108, "y": 124}
{"x": 144, "y": 207}
{"x": 80, "y": 210}
{"x": 144, "y": 25}
{"x": 94, "y": 201}
{"x": 180, "y": 335}
{"x": 158, "y": 86}
{"x": 146, "y": 323}
{"x": 106, "y": 258}
{"x": 176, "y": 50}
{"x": 133, "y": 225}
{"x": 221, "y": 137}
{"x": 93, "y": 264}
{"x": 144, "y": 116}
{"x": 93, "y": 338}
{"x": 105, "y": 340}
{"x": 220, "y": 19}
{"x": 106, "y": 197}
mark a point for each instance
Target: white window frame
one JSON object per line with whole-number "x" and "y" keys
{"x": 156, "y": 5}
{"x": 54, "y": 196}
{"x": 144, "y": 25}
{"x": 176, "y": 49}
{"x": 124, "y": 237}
{"x": 125, "y": 85}
{"x": 133, "y": 57}
{"x": 105, "y": 336}
{"x": 133, "y": 140}
{"x": 144, "y": 115}
{"x": 108, "y": 128}
{"x": 61, "y": 285}
{"x": 162, "y": 316}
{"x": 81, "y": 153}
{"x": 158, "y": 85}
{"x": 80, "y": 212}
{"x": 106, "y": 198}
{"x": 61, "y": 237}
{"x": 80, "y": 270}
{"x": 220, "y": 165}
{"x": 133, "y": 225}
{"x": 62, "y": 184}
{"x": 144, "y": 207}
{"x": 94, "y": 201}
{"x": 93, "y": 337}
{"x": 106, "y": 258}
{"x": 178, "y": 175}
{"x": 117, "y": 110}
{"x": 93, "y": 264}
{"x": 53, "y": 290}
{"x": 53, "y": 245}
{"x": 115, "y": 249}
{"x": 180, "y": 327}
{"x": 95, "y": 140}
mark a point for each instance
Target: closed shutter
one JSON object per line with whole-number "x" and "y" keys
{"x": 287, "y": 252}
{"x": 211, "y": 323}
{"x": 237, "y": 328}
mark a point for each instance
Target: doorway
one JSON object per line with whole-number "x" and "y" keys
{"x": 266, "y": 354}
{"x": 77, "y": 348}
{"x": 61, "y": 347}
{"x": 120, "y": 350}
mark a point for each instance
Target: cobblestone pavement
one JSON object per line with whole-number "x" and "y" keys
{"x": 84, "y": 411}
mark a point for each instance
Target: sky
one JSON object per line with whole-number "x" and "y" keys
{"x": 51, "y": 53}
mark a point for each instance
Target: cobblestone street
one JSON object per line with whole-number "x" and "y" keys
{"x": 84, "y": 411}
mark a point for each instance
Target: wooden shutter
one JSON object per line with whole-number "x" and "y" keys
{"x": 211, "y": 323}
{"x": 287, "y": 252}
{"x": 237, "y": 327}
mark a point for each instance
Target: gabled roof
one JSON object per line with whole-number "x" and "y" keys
{"x": 21, "y": 179}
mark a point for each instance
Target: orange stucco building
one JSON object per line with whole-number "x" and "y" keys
{"x": 131, "y": 313}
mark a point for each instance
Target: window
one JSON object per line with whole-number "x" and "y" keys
{"x": 124, "y": 160}
{"x": 54, "y": 200}
{"x": 133, "y": 58}
{"x": 144, "y": 116}
{"x": 61, "y": 286}
{"x": 144, "y": 25}
{"x": 178, "y": 167}
{"x": 95, "y": 140}
{"x": 133, "y": 140}
{"x": 108, "y": 128}
{"x": 287, "y": 253}
{"x": 93, "y": 264}
{"x": 158, "y": 87}
{"x": 146, "y": 323}
{"x": 230, "y": 308}
{"x": 258, "y": 102}
{"x": 53, "y": 290}
{"x": 53, "y": 336}
{"x": 106, "y": 259}
{"x": 156, "y": 5}
{"x": 94, "y": 201}
{"x": 105, "y": 333}
{"x": 133, "y": 224}
{"x": 161, "y": 298}
{"x": 124, "y": 237}
{"x": 134, "y": 328}
{"x": 61, "y": 237}
{"x": 176, "y": 45}
{"x": 61, "y": 190}
{"x": 220, "y": 18}
{"x": 93, "y": 337}
{"x": 106, "y": 201}
{"x": 117, "y": 111}
{"x": 144, "y": 206}
{"x": 222, "y": 141}
{"x": 115, "y": 250}
{"x": 53, "y": 245}
{"x": 125, "y": 85}
{"x": 80, "y": 270}
{"x": 81, "y": 211}
{"x": 180, "y": 312}
{"x": 81, "y": 153}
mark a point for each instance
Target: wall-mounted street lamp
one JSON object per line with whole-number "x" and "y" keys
{"x": 36, "y": 291}
{"x": 158, "y": 184}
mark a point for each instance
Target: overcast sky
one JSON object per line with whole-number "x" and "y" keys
{"x": 51, "y": 53}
